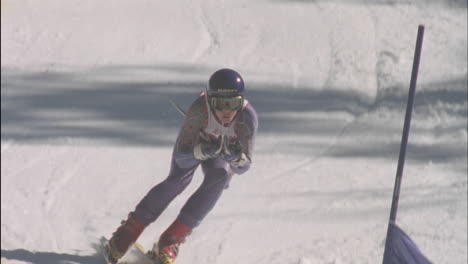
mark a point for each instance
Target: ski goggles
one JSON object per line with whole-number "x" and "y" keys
{"x": 227, "y": 103}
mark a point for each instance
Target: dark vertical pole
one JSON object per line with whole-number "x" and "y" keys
{"x": 404, "y": 139}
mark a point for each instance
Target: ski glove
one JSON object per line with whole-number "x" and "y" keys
{"x": 241, "y": 162}
{"x": 232, "y": 151}
{"x": 206, "y": 148}
{"x": 233, "y": 154}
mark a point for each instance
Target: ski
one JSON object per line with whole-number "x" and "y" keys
{"x": 136, "y": 254}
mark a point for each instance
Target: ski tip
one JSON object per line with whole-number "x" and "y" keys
{"x": 139, "y": 246}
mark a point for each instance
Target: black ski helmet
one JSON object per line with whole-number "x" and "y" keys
{"x": 225, "y": 83}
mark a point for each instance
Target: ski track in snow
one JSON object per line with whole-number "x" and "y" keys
{"x": 60, "y": 178}
{"x": 310, "y": 160}
{"x": 209, "y": 40}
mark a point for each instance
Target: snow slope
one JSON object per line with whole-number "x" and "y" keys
{"x": 87, "y": 128}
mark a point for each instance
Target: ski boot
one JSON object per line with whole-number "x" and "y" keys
{"x": 123, "y": 238}
{"x": 167, "y": 248}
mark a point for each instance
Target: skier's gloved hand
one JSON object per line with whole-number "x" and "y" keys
{"x": 232, "y": 151}
{"x": 241, "y": 162}
{"x": 206, "y": 148}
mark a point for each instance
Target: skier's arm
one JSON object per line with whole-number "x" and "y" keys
{"x": 246, "y": 130}
{"x": 188, "y": 136}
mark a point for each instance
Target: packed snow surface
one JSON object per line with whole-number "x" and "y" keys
{"x": 87, "y": 128}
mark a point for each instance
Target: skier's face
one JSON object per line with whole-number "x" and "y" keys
{"x": 225, "y": 116}
{"x": 226, "y": 108}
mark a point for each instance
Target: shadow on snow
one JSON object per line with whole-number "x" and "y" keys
{"x": 52, "y": 257}
{"x": 121, "y": 105}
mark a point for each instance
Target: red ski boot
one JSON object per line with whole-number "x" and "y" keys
{"x": 170, "y": 240}
{"x": 124, "y": 237}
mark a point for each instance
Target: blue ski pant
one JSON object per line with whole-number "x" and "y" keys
{"x": 217, "y": 175}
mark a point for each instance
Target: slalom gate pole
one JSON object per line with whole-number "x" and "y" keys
{"x": 404, "y": 139}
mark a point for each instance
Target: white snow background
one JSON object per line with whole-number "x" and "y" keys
{"x": 87, "y": 127}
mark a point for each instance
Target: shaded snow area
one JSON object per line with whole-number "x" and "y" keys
{"x": 87, "y": 128}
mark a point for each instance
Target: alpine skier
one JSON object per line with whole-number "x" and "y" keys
{"x": 218, "y": 133}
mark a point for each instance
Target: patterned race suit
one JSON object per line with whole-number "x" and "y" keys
{"x": 217, "y": 171}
